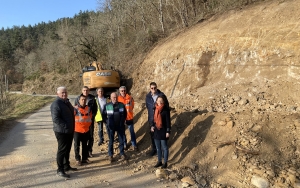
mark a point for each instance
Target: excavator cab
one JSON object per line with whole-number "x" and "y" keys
{"x": 94, "y": 76}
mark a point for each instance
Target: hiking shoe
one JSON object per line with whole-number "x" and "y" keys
{"x": 69, "y": 168}
{"x": 63, "y": 174}
{"x": 86, "y": 161}
{"x": 158, "y": 164}
{"x": 165, "y": 165}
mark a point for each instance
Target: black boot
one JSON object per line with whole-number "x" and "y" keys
{"x": 63, "y": 174}
{"x": 158, "y": 164}
{"x": 165, "y": 165}
{"x": 69, "y": 168}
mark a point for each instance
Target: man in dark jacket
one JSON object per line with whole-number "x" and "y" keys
{"x": 62, "y": 113}
{"x": 150, "y": 104}
{"x": 90, "y": 102}
{"x": 114, "y": 115}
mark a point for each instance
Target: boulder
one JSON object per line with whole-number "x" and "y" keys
{"x": 259, "y": 182}
{"x": 161, "y": 173}
{"x": 188, "y": 180}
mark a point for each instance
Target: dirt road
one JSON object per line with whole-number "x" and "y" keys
{"x": 28, "y": 159}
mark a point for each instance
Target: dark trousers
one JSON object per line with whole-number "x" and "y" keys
{"x": 64, "y": 142}
{"x": 83, "y": 138}
{"x": 152, "y": 141}
{"x": 111, "y": 136}
{"x": 91, "y": 137}
{"x": 100, "y": 131}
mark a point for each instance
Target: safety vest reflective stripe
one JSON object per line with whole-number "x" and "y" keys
{"x": 83, "y": 119}
{"x": 109, "y": 111}
{"x": 129, "y": 105}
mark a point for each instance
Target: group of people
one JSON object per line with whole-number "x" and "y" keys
{"x": 77, "y": 123}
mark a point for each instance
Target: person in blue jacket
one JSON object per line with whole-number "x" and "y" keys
{"x": 150, "y": 103}
{"x": 114, "y": 116}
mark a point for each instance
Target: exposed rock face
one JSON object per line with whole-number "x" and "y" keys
{"x": 232, "y": 83}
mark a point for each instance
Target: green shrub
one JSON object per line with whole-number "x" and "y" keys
{"x": 33, "y": 76}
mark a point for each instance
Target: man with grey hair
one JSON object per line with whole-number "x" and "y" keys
{"x": 62, "y": 113}
{"x": 101, "y": 102}
{"x": 114, "y": 115}
{"x": 128, "y": 101}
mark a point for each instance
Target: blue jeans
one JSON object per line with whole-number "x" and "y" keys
{"x": 111, "y": 135}
{"x": 162, "y": 146}
{"x": 132, "y": 136}
{"x": 100, "y": 131}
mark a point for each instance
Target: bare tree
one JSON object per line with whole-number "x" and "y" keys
{"x": 159, "y": 9}
{"x": 3, "y": 94}
{"x": 179, "y": 6}
{"x": 161, "y": 16}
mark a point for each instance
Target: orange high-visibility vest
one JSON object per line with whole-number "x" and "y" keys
{"x": 129, "y": 105}
{"x": 83, "y": 119}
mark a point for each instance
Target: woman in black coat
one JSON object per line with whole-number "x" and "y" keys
{"x": 161, "y": 127}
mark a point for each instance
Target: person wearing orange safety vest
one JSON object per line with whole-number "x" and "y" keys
{"x": 83, "y": 120}
{"x": 128, "y": 101}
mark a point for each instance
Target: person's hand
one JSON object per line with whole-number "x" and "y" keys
{"x": 167, "y": 135}
{"x": 152, "y": 129}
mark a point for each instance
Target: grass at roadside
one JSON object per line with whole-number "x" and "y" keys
{"x": 19, "y": 105}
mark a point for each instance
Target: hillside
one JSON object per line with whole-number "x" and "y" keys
{"x": 232, "y": 81}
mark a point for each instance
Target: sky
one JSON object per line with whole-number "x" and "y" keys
{"x": 25, "y": 12}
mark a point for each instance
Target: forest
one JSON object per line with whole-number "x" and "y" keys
{"x": 119, "y": 35}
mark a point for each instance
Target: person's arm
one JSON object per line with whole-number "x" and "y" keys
{"x": 56, "y": 116}
{"x": 168, "y": 123}
{"x": 132, "y": 103}
{"x": 104, "y": 114}
{"x": 152, "y": 123}
{"x": 146, "y": 102}
{"x": 95, "y": 108}
{"x": 125, "y": 113}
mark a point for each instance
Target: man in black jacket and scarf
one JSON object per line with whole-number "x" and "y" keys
{"x": 90, "y": 102}
{"x": 62, "y": 113}
{"x": 150, "y": 104}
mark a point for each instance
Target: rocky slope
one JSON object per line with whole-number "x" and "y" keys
{"x": 232, "y": 81}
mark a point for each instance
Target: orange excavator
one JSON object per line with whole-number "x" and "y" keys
{"x": 94, "y": 76}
